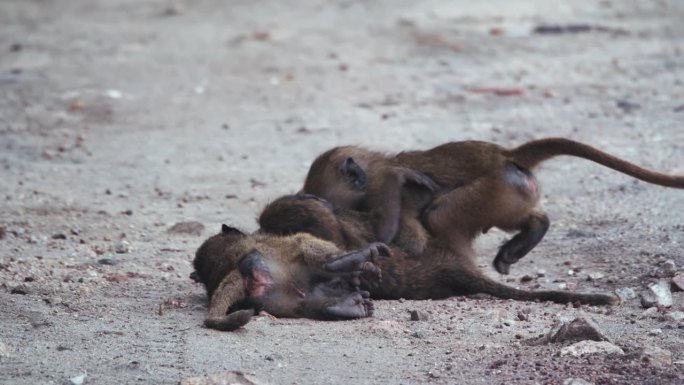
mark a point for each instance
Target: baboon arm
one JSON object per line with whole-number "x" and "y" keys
{"x": 383, "y": 197}
{"x": 229, "y": 322}
{"x": 357, "y": 260}
{"x": 314, "y": 251}
{"x": 412, "y": 235}
{"x": 229, "y": 292}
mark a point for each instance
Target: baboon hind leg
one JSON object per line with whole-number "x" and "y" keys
{"x": 505, "y": 201}
{"x": 532, "y": 231}
{"x": 463, "y": 211}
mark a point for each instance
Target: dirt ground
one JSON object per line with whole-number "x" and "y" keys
{"x": 120, "y": 118}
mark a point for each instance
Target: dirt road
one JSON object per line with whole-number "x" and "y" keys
{"x": 120, "y": 118}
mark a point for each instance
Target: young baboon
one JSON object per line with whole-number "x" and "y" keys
{"x": 287, "y": 276}
{"x": 477, "y": 186}
{"x": 444, "y": 269}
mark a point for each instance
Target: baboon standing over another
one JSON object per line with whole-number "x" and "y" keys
{"x": 477, "y": 186}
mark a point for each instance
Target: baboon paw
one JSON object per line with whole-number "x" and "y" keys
{"x": 369, "y": 307}
{"x": 426, "y": 217}
{"x": 421, "y": 179}
{"x": 355, "y": 260}
{"x": 508, "y": 254}
{"x": 264, "y": 313}
{"x": 379, "y": 249}
{"x": 356, "y": 305}
{"x": 231, "y": 321}
{"x": 195, "y": 277}
{"x": 371, "y": 271}
{"x": 502, "y": 267}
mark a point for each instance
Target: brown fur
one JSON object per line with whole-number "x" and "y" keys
{"x": 477, "y": 185}
{"x": 287, "y": 276}
{"x": 441, "y": 271}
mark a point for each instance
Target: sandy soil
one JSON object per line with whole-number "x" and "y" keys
{"x": 120, "y": 118}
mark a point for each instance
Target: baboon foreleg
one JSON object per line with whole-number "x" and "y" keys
{"x": 384, "y": 198}
{"x": 532, "y": 232}
{"x": 231, "y": 321}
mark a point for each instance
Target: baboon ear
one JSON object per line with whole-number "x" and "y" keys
{"x": 225, "y": 229}
{"x": 354, "y": 174}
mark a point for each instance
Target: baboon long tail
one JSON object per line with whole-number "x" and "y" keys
{"x": 497, "y": 289}
{"x": 532, "y": 153}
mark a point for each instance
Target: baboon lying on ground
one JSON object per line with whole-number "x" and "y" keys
{"x": 477, "y": 186}
{"x": 443, "y": 269}
{"x": 287, "y": 276}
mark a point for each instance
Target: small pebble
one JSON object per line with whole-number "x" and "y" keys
{"x": 676, "y": 316}
{"x": 650, "y": 312}
{"x": 34, "y": 239}
{"x": 658, "y": 294}
{"x": 667, "y": 269}
{"x": 575, "y": 381}
{"x": 21, "y": 289}
{"x": 678, "y": 282}
{"x": 587, "y": 347}
{"x": 274, "y": 357}
{"x": 114, "y": 94}
{"x": 122, "y": 247}
{"x": 418, "y": 334}
{"x": 626, "y": 293}
{"x": 656, "y": 356}
{"x": 526, "y": 278}
{"x": 417, "y": 315}
{"x": 188, "y": 227}
{"x": 4, "y": 350}
{"x": 78, "y": 380}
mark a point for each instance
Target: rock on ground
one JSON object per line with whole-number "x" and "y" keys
{"x": 583, "y": 348}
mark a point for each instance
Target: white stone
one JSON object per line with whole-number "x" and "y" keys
{"x": 661, "y": 290}
{"x": 656, "y": 356}
{"x": 626, "y": 293}
{"x": 114, "y": 94}
{"x": 122, "y": 247}
{"x": 576, "y": 381}
{"x": 582, "y": 348}
{"x": 4, "y": 350}
{"x": 78, "y": 380}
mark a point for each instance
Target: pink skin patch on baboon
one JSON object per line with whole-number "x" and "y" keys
{"x": 258, "y": 284}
